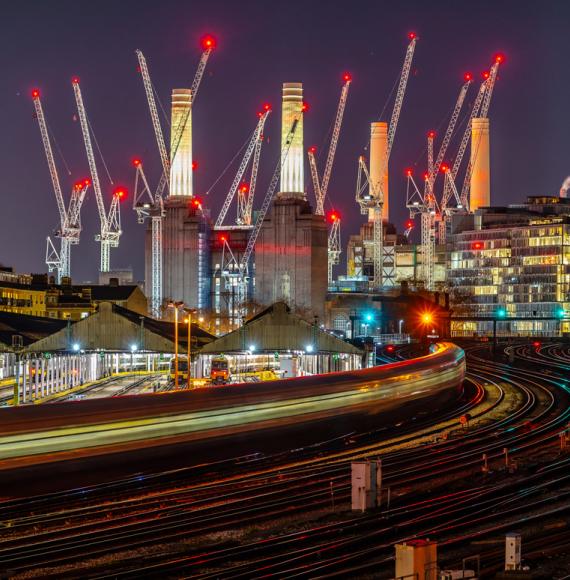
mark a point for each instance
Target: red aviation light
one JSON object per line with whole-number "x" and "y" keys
{"x": 87, "y": 182}
{"x": 244, "y": 187}
{"x": 312, "y": 149}
{"x": 412, "y": 35}
{"x": 266, "y": 107}
{"x": 444, "y": 168}
{"x": 75, "y": 80}
{"x": 78, "y": 185}
{"x": 197, "y": 202}
{"x": 426, "y": 175}
{"x": 223, "y": 238}
{"x": 304, "y": 107}
{"x": 208, "y": 42}
{"x": 467, "y": 77}
{"x": 486, "y": 74}
{"x": 137, "y": 162}
{"x": 410, "y": 224}
{"x": 120, "y": 193}
{"x": 35, "y": 93}
{"x": 409, "y": 172}
{"x": 334, "y": 217}
{"x": 194, "y": 165}
{"x": 499, "y": 58}
{"x": 431, "y": 134}
{"x": 347, "y": 77}
{"x": 477, "y": 245}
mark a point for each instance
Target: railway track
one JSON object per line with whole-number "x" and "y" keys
{"x": 63, "y": 530}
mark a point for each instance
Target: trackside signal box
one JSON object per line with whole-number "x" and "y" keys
{"x": 416, "y": 559}
{"x": 366, "y": 485}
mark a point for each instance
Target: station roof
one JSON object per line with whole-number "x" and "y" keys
{"x": 277, "y": 329}
{"x": 114, "y": 328}
{"x": 30, "y": 328}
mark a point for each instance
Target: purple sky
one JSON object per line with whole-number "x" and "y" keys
{"x": 261, "y": 45}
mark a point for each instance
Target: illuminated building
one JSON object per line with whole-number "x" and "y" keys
{"x": 292, "y": 171}
{"x": 512, "y": 264}
{"x": 181, "y": 153}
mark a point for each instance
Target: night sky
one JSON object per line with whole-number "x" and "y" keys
{"x": 261, "y": 45}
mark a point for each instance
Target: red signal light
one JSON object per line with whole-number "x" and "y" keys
{"x": 208, "y": 42}
{"x": 536, "y": 344}
{"x": 412, "y": 35}
{"x": 347, "y": 77}
{"x": 120, "y": 193}
{"x": 75, "y": 80}
{"x": 35, "y": 94}
{"x": 409, "y": 171}
{"x": 390, "y": 348}
{"x": 467, "y": 77}
{"x": 137, "y": 162}
{"x": 305, "y": 107}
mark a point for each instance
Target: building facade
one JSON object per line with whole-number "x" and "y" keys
{"x": 511, "y": 265}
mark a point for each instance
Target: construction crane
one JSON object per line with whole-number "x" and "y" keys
{"x": 244, "y": 191}
{"x": 110, "y": 222}
{"x": 243, "y": 263}
{"x": 69, "y": 218}
{"x": 208, "y": 45}
{"x": 425, "y": 203}
{"x": 334, "y": 244}
{"x": 374, "y": 200}
{"x": 321, "y": 186}
{"x": 145, "y": 203}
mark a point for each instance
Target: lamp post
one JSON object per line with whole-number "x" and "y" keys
{"x": 176, "y": 306}
{"x": 188, "y": 320}
{"x": 400, "y": 322}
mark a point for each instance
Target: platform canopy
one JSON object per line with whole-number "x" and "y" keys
{"x": 277, "y": 329}
{"x": 116, "y": 329}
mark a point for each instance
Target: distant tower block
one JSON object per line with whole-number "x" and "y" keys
{"x": 181, "y": 158}
{"x": 292, "y": 174}
{"x": 481, "y": 164}
{"x": 379, "y": 165}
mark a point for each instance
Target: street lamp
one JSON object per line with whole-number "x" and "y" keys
{"x": 400, "y": 322}
{"x": 76, "y": 347}
{"x": 176, "y": 306}
{"x": 188, "y": 320}
{"x": 134, "y": 349}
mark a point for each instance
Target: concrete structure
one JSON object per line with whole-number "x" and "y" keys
{"x": 379, "y": 165}
{"x": 480, "y": 190}
{"x": 292, "y": 170}
{"x": 516, "y": 260}
{"x": 181, "y": 156}
{"x": 291, "y": 257}
{"x": 186, "y": 259}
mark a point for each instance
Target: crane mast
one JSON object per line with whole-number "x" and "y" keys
{"x": 375, "y": 200}
{"x": 247, "y": 212}
{"x": 321, "y": 191}
{"x": 111, "y": 222}
{"x": 334, "y": 245}
{"x": 253, "y": 143}
{"x": 70, "y": 218}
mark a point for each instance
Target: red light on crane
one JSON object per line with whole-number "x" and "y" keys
{"x": 425, "y": 175}
{"x": 35, "y": 94}
{"x": 194, "y": 165}
{"x": 244, "y": 187}
{"x": 223, "y": 238}
{"x": 266, "y": 107}
{"x": 75, "y": 80}
{"x": 78, "y": 185}
{"x": 499, "y": 58}
{"x": 431, "y": 134}
{"x": 334, "y": 216}
{"x": 347, "y": 77}
{"x": 467, "y": 77}
{"x": 137, "y": 162}
{"x": 486, "y": 74}
{"x": 305, "y": 107}
{"x": 87, "y": 182}
{"x": 410, "y": 224}
{"x": 120, "y": 193}
{"x": 197, "y": 202}
{"x": 312, "y": 149}
{"x": 208, "y": 42}
{"x": 409, "y": 171}
{"x": 444, "y": 168}
{"x": 412, "y": 35}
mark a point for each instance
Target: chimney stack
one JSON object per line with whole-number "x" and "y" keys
{"x": 181, "y": 163}
{"x": 480, "y": 195}
{"x": 292, "y": 167}
{"x": 379, "y": 165}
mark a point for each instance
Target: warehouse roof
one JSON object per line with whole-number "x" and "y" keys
{"x": 277, "y": 329}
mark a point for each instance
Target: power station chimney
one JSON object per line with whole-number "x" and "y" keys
{"x": 481, "y": 164}
{"x": 379, "y": 165}
{"x": 292, "y": 173}
{"x": 181, "y": 157}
